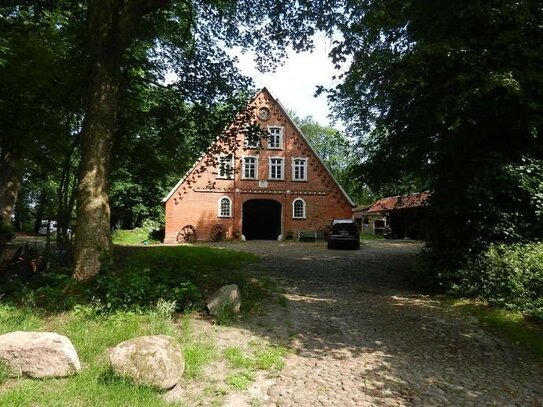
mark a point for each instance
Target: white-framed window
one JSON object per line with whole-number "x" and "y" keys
{"x": 299, "y": 169}
{"x": 275, "y": 137}
{"x": 276, "y": 168}
{"x": 298, "y": 208}
{"x": 249, "y": 168}
{"x": 225, "y": 168}
{"x": 225, "y": 207}
{"x": 251, "y": 140}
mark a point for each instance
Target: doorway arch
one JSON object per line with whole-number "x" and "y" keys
{"x": 261, "y": 219}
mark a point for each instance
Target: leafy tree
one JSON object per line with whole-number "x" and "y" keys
{"x": 338, "y": 153}
{"x": 114, "y": 28}
{"x": 39, "y": 97}
{"x": 450, "y": 96}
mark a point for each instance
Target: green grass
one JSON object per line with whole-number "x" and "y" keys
{"x": 138, "y": 297}
{"x": 508, "y": 323}
{"x": 245, "y": 362}
{"x": 131, "y": 237}
{"x": 91, "y": 335}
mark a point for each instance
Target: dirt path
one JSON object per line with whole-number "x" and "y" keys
{"x": 363, "y": 338}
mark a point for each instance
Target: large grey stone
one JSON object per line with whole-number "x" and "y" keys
{"x": 227, "y": 298}
{"x": 155, "y": 361}
{"x": 38, "y": 354}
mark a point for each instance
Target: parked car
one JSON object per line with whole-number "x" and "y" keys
{"x": 344, "y": 233}
{"x": 42, "y": 231}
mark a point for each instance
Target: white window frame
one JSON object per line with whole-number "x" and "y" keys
{"x": 304, "y": 205}
{"x": 282, "y": 168}
{"x": 294, "y": 159}
{"x": 226, "y": 175}
{"x": 256, "y": 140}
{"x": 219, "y": 207}
{"x": 280, "y": 137}
{"x": 243, "y": 167}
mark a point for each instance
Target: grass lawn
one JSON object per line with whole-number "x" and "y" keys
{"x": 370, "y": 236}
{"x": 151, "y": 291}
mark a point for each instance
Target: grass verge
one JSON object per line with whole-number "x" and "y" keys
{"x": 511, "y": 324}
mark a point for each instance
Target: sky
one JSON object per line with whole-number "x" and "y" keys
{"x": 294, "y": 83}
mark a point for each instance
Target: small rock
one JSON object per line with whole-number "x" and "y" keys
{"x": 227, "y": 298}
{"x": 38, "y": 354}
{"x": 155, "y": 361}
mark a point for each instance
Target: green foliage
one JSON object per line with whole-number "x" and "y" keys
{"x": 506, "y": 276}
{"x": 7, "y": 232}
{"x": 338, "y": 153}
{"x": 241, "y": 380}
{"x": 141, "y": 286}
{"x": 449, "y": 99}
{"x": 512, "y": 324}
{"x": 91, "y": 332}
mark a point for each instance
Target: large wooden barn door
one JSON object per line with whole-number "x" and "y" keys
{"x": 261, "y": 219}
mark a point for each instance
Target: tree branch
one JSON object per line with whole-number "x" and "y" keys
{"x": 131, "y": 15}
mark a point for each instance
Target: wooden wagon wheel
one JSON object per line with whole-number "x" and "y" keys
{"x": 218, "y": 233}
{"x": 187, "y": 234}
{"x": 323, "y": 232}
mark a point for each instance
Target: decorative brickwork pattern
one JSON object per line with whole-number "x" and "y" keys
{"x": 196, "y": 199}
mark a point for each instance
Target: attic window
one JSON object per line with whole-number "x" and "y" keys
{"x": 275, "y": 138}
{"x": 225, "y": 168}
{"x": 299, "y": 169}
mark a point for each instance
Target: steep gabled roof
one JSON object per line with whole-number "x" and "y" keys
{"x": 302, "y": 136}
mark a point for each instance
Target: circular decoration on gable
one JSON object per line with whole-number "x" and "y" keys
{"x": 263, "y": 113}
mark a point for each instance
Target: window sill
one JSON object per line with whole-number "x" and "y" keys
{"x": 304, "y": 218}
{"x": 221, "y": 216}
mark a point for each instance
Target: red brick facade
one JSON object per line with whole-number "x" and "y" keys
{"x": 195, "y": 202}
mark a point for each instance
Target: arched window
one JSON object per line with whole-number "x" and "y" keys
{"x": 298, "y": 209}
{"x": 225, "y": 207}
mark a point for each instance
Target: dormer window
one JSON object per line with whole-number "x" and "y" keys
{"x": 275, "y": 138}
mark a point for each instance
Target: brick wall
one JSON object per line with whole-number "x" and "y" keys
{"x": 195, "y": 201}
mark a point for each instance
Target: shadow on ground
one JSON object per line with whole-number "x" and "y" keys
{"x": 363, "y": 336}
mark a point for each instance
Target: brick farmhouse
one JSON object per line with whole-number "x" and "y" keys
{"x": 269, "y": 187}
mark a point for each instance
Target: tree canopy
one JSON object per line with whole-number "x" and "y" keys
{"x": 449, "y": 97}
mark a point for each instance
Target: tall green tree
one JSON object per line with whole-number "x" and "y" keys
{"x": 40, "y": 93}
{"x": 114, "y": 26}
{"x": 450, "y": 94}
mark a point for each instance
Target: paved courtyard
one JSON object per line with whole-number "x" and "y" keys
{"x": 363, "y": 337}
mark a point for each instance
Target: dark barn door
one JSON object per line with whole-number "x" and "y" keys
{"x": 261, "y": 219}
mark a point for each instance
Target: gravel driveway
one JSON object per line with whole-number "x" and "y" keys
{"x": 364, "y": 338}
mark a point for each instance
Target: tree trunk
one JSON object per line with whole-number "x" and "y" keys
{"x": 10, "y": 178}
{"x": 93, "y": 246}
{"x": 112, "y": 25}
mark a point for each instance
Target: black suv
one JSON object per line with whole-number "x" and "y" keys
{"x": 344, "y": 233}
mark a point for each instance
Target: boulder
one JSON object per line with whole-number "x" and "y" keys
{"x": 227, "y": 298}
{"x": 155, "y": 361}
{"x": 38, "y": 354}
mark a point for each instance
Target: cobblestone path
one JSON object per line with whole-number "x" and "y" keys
{"x": 363, "y": 338}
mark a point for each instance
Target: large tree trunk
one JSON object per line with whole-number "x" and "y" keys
{"x": 93, "y": 247}
{"x": 10, "y": 178}
{"x": 112, "y": 25}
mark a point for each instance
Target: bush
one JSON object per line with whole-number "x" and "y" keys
{"x": 142, "y": 287}
{"x": 6, "y": 232}
{"x": 507, "y": 276}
